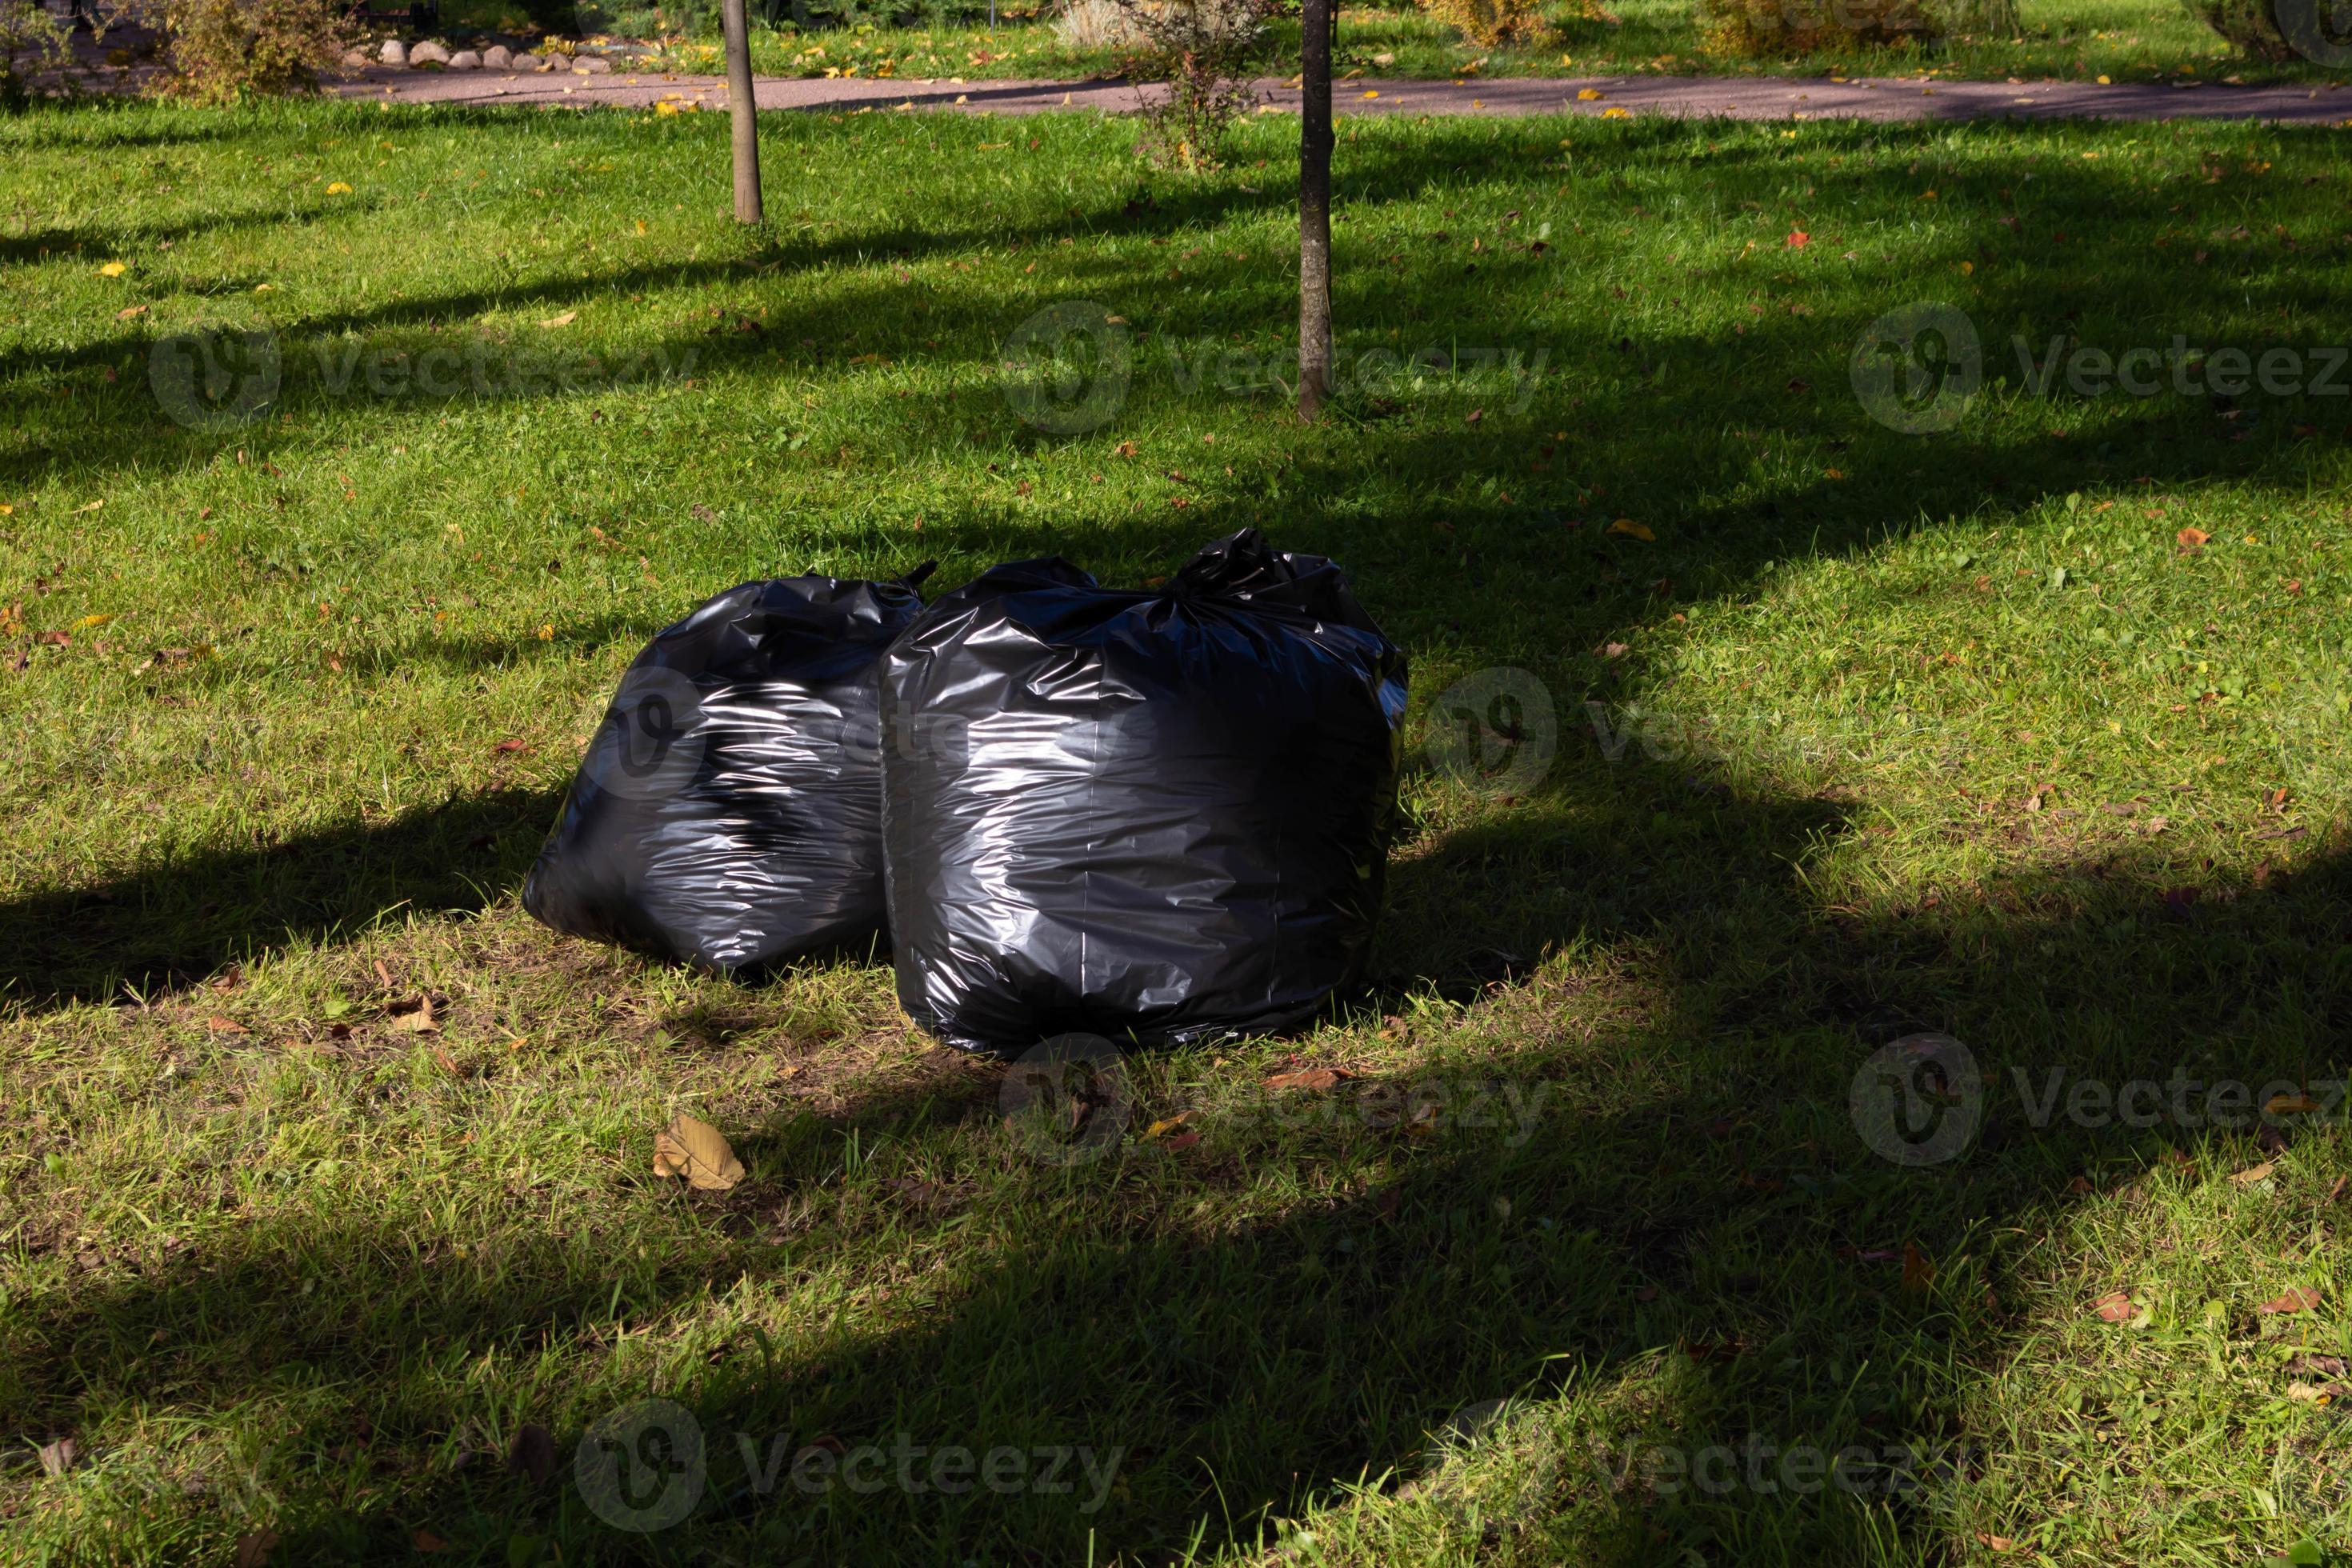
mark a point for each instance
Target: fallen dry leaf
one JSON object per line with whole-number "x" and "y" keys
{"x": 2291, "y": 1104}
{"x": 57, "y": 1457}
{"x": 253, "y": 1549}
{"x": 2115, "y": 1307}
{"x": 415, "y": 1016}
{"x": 1309, "y": 1078}
{"x": 2314, "y": 1392}
{"x": 2302, "y": 1298}
{"x": 2190, "y": 540}
{"x": 2253, "y": 1174}
{"x": 699, "y": 1151}
{"x": 220, "y": 1025}
{"x": 1919, "y": 1274}
{"x": 425, "y": 1541}
{"x": 533, "y": 1453}
{"x": 1996, "y": 1543}
{"x": 1183, "y": 1140}
{"x": 1631, "y": 529}
{"x": 564, "y": 319}
{"x": 1166, "y": 1124}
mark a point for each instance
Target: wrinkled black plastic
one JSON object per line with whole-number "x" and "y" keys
{"x": 1156, "y": 816}
{"x": 728, "y": 812}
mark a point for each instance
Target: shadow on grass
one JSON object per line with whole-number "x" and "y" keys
{"x": 1666, "y": 1210}
{"x": 180, "y": 920}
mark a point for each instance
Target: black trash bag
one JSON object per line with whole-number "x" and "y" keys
{"x": 1157, "y": 816}
{"x": 729, "y": 810}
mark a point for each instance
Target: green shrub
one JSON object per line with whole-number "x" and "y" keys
{"x": 219, "y": 51}
{"x": 2250, "y": 24}
{"x": 31, "y": 41}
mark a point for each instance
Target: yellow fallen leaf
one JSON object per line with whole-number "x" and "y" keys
{"x": 699, "y": 1151}
{"x": 2253, "y": 1174}
{"x": 1589, "y": 95}
{"x": 113, "y": 269}
{"x": 1166, "y": 1124}
{"x": 88, "y": 621}
{"x": 1371, "y": 94}
{"x": 664, "y": 108}
{"x": 1631, "y": 529}
{"x": 338, "y": 189}
{"x": 124, "y": 315}
{"x": 2105, "y": 82}
{"x": 564, "y": 319}
{"x": 547, "y": 633}
{"x": 2291, "y": 1104}
{"x": 92, "y": 506}
{"x": 1614, "y": 113}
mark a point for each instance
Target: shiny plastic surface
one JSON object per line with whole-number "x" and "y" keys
{"x": 1155, "y": 816}
{"x": 728, "y": 812}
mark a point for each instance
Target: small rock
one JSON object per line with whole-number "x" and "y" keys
{"x": 592, "y": 64}
{"x": 393, "y": 53}
{"x": 498, "y": 58}
{"x": 431, "y": 51}
{"x": 554, "y": 60}
{"x": 355, "y": 56}
{"x": 525, "y": 63}
{"x": 465, "y": 61}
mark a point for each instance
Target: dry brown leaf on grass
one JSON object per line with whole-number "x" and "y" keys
{"x": 2302, "y": 1298}
{"x": 1310, "y": 1077}
{"x": 2253, "y": 1174}
{"x": 413, "y": 1017}
{"x": 2291, "y": 1105}
{"x": 1996, "y": 1543}
{"x": 253, "y": 1549}
{"x": 564, "y": 319}
{"x": 2115, "y": 1307}
{"x": 425, "y": 1541}
{"x": 699, "y": 1151}
{"x": 220, "y": 1025}
{"x": 1919, "y": 1274}
{"x": 533, "y": 1453}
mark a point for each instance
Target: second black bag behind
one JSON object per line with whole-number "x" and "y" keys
{"x": 728, "y": 812}
{"x": 1156, "y": 816}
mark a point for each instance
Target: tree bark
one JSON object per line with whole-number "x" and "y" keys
{"x": 742, "y": 110}
{"x": 1315, "y": 208}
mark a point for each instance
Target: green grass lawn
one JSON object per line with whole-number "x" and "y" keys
{"x": 1894, "y": 733}
{"x": 2071, "y": 40}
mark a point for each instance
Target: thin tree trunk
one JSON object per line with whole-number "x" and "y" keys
{"x": 742, "y": 110}
{"x": 1315, "y": 208}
